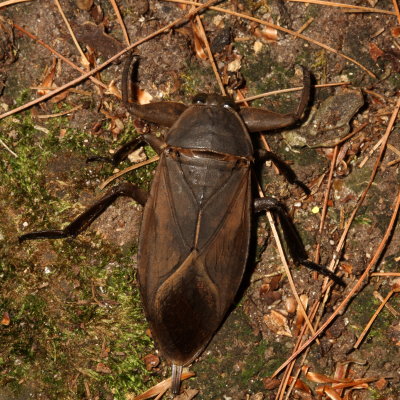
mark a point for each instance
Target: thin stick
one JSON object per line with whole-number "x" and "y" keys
{"x": 295, "y": 89}
{"x": 351, "y": 134}
{"x": 109, "y": 61}
{"x": 306, "y": 25}
{"x": 325, "y": 206}
{"x": 383, "y": 141}
{"x": 60, "y": 114}
{"x": 8, "y": 149}
{"x": 378, "y": 296}
{"x": 287, "y": 270}
{"x": 341, "y": 5}
{"x": 289, "y": 368}
{"x": 84, "y": 60}
{"x": 396, "y": 8}
{"x": 210, "y": 55}
{"x": 394, "y": 162}
{"x": 394, "y": 149}
{"x": 371, "y": 321}
{"x": 124, "y": 171}
{"x": 121, "y": 21}
{"x": 281, "y": 28}
{"x": 366, "y": 158}
{"x": 10, "y": 2}
{"x": 385, "y": 274}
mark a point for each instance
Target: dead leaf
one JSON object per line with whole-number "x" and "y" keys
{"x": 299, "y": 313}
{"x": 375, "y": 52}
{"x": 112, "y": 89}
{"x": 271, "y": 383}
{"x": 329, "y": 392}
{"x": 380, "y": 384}
{"x": 348, "y": 268}
{"x": 267, "y": 33}
{"x": 300, "y": 385}
{"x": 198, "y": 40}
{"x": 396, "y": 285}
{"x": 277, "y": 323}
{"x": 138, "y": 155}
{"x": 85, "y": 5}
{"x": 142, "y": 96}
{"x": 181, "y": 6}
{"x": 59, "y": 97}
{"x": 6, "y": 319}
{"x": 319, "y": 378}
{"x": 151, "y": 361}
{"x": 62, "y": 134}
{"x": 291, "y": 305}
{"x": 395, "y": 31}
{"x": 235, "y": 65}
{"x": 103, "y": 368}
{"x": 48, "y": 78}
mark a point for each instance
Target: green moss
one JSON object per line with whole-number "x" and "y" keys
{"x": 73, "y": 304}
{"x": 362, "y": 309}
{"x": 312, "y": 11}
{"x": 237, "y": 358}
{"x": 194, "y": 80}
{"x": 363, "y": 220}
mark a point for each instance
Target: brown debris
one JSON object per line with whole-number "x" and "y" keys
{"x": 151, "y": 361}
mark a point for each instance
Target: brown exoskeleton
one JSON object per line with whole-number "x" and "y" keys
{"x": 195, "y": 233}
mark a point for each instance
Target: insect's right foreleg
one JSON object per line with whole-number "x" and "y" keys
{"x": 83, "y": 221}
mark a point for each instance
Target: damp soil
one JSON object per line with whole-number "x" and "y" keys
{"x": 72, "y": 324}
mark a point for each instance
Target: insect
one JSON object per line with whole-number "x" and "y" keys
{"x": 195, "y": 233}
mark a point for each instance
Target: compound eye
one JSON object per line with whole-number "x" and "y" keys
{"x": 228, "y": 102}
{"x": 200, "y": 98}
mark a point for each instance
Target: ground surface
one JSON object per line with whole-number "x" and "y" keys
{"x": 72, "y": 322}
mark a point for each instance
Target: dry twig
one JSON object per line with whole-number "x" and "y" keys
{"x": 295, "y": 89}
{"x": 126, "y": 170}
{"x": 120, "y": 21}
{"x": 371, "y": 321}
{"x": 342, "y": 5}
{"x": 210, "y": 55}
{"x": 84, "y": 60}
{"x": 8, "y": 149}
{"x": 10, "y": 2}
{"x": 397, "y": 11}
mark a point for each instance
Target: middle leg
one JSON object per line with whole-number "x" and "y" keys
{"x": 83, "y": 221}
{"x": 292, "y": 238}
